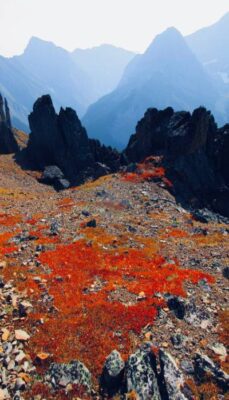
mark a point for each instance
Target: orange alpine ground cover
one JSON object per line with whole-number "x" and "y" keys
{"x": 5, "y": 247}
{"x": 86, "y": 324}
{"x": 148, "y": 170}
{"x": 9, "y": 220}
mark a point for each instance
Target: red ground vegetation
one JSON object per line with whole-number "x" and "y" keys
{"x": 149, "y": 170}
{"x": 81, "y": 277}
{"x": 176, "y": 233}
{"x": 9, "y": 220}
{"x": 5, "y": 247}
{"x": 85, "y": 319}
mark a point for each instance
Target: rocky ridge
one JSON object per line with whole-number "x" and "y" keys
{"x": 193, "y": 150}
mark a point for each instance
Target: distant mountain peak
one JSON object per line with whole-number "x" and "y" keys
{"x": 102, "y": 48}
{"x": 166, "y": 44}
{"x": 171, "y": 30}
{"x": 36, "y": 44}
{"x": 210, "y": 45}
{"x": 169, "y": 36}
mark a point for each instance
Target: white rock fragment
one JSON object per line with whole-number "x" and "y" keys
{"x": 21, "y": 335}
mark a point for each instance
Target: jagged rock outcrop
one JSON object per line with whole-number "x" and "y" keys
{"x": 60, "y": 140}
{"x": 8, "y": 143}
{"x": 157, "y": 376}
{"x": 194, "y": 150}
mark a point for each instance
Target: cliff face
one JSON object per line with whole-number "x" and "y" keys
{"x": 8, "y": 142}
{"x": 194, "y": 152}
{"x": 60, "y": 139}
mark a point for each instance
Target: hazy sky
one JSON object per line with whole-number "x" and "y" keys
{"x": 131, "y": 24}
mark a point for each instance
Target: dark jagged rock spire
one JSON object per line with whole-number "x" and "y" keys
{"x": 60, "y": 140}
{"x": 8, "y": 143}
{"x": 5, "y": 112}
{"x": 194, "y": 152}
{"x": 7, "y": 115}
{"x": 2, "y": 113}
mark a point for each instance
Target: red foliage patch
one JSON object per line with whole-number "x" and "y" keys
{"x": 5, "y": 247}
{"x": 149, "y": 170}
{"x": 176, "y": 233}
{"x": 9, "y": 220}
{"x": 87, "y": 325}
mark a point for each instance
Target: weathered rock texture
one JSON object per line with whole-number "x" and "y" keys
{"x": 8, "y": 142}
{"x": 195, "y": 154}
{"x": 172, "y": 378}
{"x": 113, "y": 373}
{"x": 60, "y": 140}
{"x": 60, "y": 375}
{"x": 141, "y": 374}
{"x": 204, "y": 366}
{"x": 52, "y": 175}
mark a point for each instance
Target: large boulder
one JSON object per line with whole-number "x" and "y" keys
{"x": 52, "y": 175}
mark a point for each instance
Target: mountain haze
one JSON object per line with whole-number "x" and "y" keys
{"x": 211, "y": 46}
{"x": 68, "y": 77}
{"x": 167, "y": 74}
{"x": 104, "y": 65}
